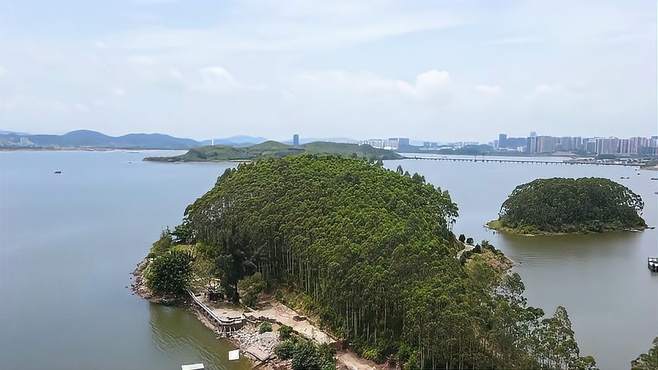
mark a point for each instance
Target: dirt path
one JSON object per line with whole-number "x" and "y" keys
{"x": 353, "y": 362}
{"x": 275, "y": 311}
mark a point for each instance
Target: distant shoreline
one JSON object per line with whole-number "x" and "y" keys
{"x": 497, "y": 226}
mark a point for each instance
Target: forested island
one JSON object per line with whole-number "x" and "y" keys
{"x": 277, "y": 150}
{"x": 565, "y": 205}
{"x": 368, "y": 251}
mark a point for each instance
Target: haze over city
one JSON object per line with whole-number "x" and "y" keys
{"x": 463, "y": 70}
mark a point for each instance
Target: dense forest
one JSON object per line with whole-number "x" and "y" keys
{"x": 561, "y": 205}
{"x": 277, "y": 150}
{"x": 373, "y": 253}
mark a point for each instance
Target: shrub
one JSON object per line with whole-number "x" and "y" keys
{"x": 250, "y": 287}
{"x": 265, "y": 327}
{"x": 285, "y": 332}
{"x": 305, "y": 357}
{"x": 162, "y": 245}
{"x": 170, "y": 273}
{"x": 285, "y": 349}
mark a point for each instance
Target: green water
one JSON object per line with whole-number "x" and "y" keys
{"x": 69, "y": 242}
{"x": 68, "y": 245}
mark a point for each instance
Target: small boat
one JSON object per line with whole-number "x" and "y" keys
{"x": 58, "y": 172}
{"x": 652, "y": 264}
{"x": 654, "y": 178}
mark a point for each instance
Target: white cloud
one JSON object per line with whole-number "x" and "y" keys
{"x": 489, "y": 90}
{"x": 546, "y": 89}
{"x": 117, "y": 91}
{"x": 426, "y": 85}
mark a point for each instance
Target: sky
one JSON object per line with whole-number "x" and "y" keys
{"x": 433, "y": 70}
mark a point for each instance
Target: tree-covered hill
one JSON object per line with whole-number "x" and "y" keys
{"x": 277, "y": 150}
{"x": 562, "y": 205}
{"x": 372, "y": 252}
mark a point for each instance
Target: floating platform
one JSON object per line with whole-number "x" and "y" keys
{"x": 193, "y": 367}
{"x": 652, "y": 263}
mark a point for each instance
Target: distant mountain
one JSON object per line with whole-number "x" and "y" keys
{"x": 6, "y": 132}
{"x": 239, "y": 140}
{"x": 94, "y": 139}
{"x": 276, "y": 149}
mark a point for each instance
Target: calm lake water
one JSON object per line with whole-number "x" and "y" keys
{"x": 70, "y": 241}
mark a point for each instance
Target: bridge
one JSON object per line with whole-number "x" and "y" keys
{"x": 531, "y": 161}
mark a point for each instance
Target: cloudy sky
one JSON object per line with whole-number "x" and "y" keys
{"x": 442, "y": 70}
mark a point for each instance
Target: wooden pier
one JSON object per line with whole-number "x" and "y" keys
{"x": 224, "y": 325}
{"x": 652, "y": 264}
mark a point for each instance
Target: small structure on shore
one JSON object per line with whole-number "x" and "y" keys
{"x": 652, "y": 263}
{"x": 224, "y": 325}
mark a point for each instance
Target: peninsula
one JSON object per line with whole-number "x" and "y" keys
{"x": 565, "y": 205}
{"x": 274, "y": 149}
{"x": 366, "y": 252}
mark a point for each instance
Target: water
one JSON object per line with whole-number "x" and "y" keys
{"x": 602, "y": 279}
{"x": 68, "y": 243}
{"x": 67, "y": 246}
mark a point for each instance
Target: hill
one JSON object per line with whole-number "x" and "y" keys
{"x": 94, "y": 139}
{"x": 276, "y": 150}
{"x": 561, "y": 205}
{"x": 370, "y": 253}
{"x": 239, "y": 140}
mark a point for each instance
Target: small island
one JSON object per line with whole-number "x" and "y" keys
{"x": 565, "y": 205}
{"x": 275, "y": 149}
{"x": 311, "y": 262}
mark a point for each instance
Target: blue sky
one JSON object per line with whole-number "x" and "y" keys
{"x": 442, "y": 70}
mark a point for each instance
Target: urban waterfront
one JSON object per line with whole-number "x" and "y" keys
{"x": 83, "y": 231}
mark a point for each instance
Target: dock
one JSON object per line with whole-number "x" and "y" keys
{"x": 652, "y": 264}
{"x": 224, "y": 325}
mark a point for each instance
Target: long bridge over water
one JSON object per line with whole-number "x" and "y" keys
{"x": 530, "y": 161}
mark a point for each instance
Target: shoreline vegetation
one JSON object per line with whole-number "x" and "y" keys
{"x": 559, "y": 206}
{"x": 274, "y": 149}
{"x": 369, "y": 254}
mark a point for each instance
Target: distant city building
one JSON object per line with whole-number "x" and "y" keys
{"x": 295, "y": 139}
{"x": 502, "y": 141}
{"x": 533, "y": 134}
{"x": 575, "y": 144}
{"x": 397, "y": 143}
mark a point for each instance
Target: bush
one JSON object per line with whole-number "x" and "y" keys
{"x": 305, "y": 357}
{"x": 265, "y": 327}
{"x": 162, "y": 245}
{"x": 285, "y": 332}
{"x": 285, "y": 349}
{"x": 170, "y": 273}
{"x": 250, "y": 287}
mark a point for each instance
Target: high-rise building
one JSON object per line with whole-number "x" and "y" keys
{"x": 295, "y": 139}
{"x": 398, "y": 142}
{"x": 502, "y": 140}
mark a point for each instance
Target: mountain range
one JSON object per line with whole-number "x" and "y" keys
{"x": 98, "y": 140}
{"x": 94, "y": 139}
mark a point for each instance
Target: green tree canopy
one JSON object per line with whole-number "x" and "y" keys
{"x": 170, "y": 273}
{"x": 571, "y": 205}
{"x": 373, "y": 250}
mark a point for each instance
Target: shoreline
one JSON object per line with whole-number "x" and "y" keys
{"x": 496, "y": 226}
{"x": 248, "y": 338}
